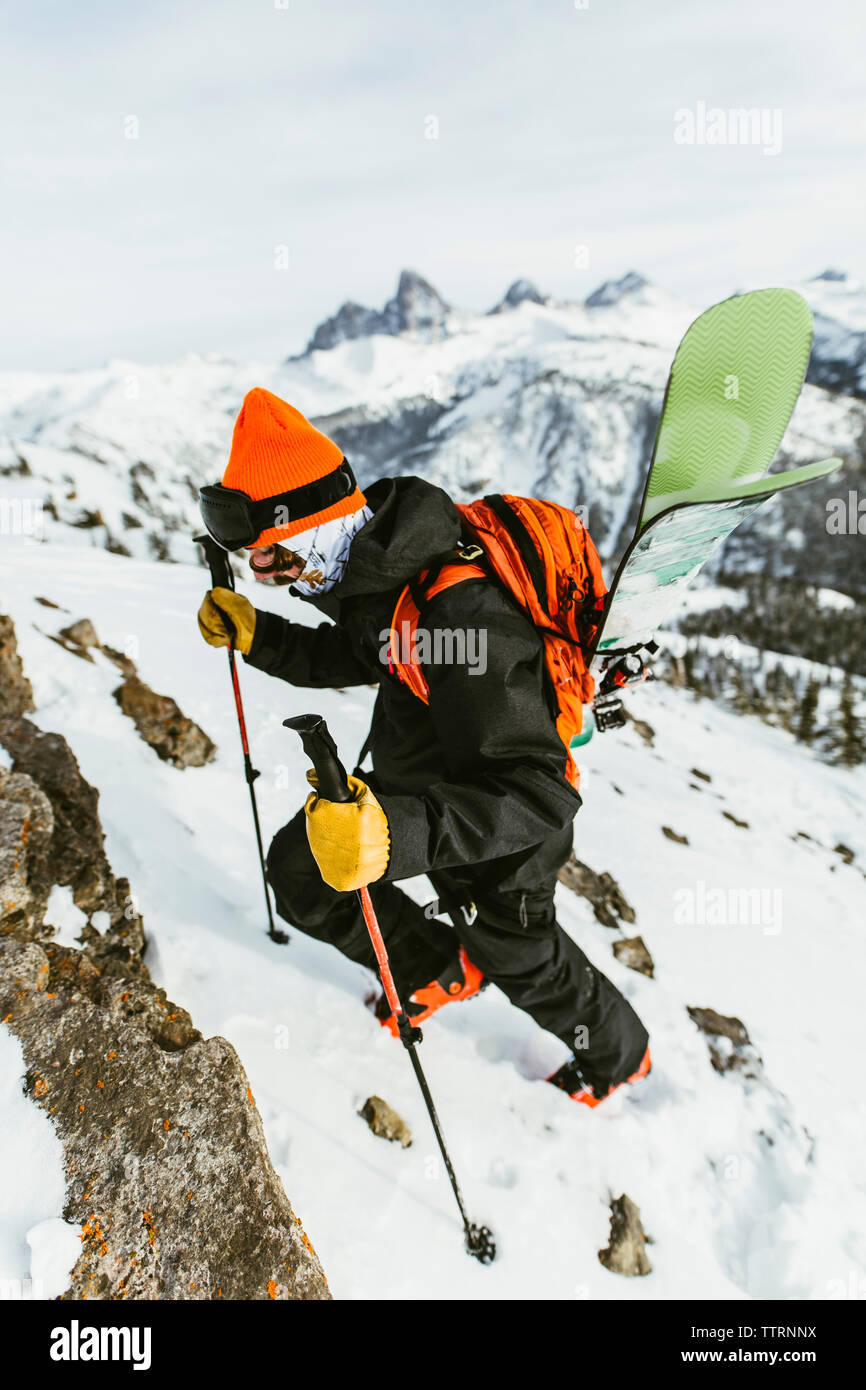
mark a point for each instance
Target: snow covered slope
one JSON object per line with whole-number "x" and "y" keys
{"x": 748, "y": 1188}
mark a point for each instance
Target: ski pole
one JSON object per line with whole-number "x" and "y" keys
{"x": 333, "y": 786}
{"x": 221, "y": 577}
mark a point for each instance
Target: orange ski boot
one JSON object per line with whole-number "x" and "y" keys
{"x": 570, "y": 1078}
{"x": 459, "y": 980}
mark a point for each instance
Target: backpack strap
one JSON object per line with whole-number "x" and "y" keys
{"x": 454, "y": 567}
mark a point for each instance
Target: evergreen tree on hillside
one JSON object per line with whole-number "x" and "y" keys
{"x": 847, "y": 745}
{"x": 806, "y": 729}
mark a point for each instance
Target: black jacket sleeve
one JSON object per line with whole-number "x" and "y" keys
{"x": 505, "y": 789}
{"x": 318, "y": 657}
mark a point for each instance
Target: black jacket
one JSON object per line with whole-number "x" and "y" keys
{"x": 473, "y": 782}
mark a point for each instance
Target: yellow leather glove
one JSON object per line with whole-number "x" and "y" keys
{"x": 350, "y": 840}
{"x": 225, "y": 615}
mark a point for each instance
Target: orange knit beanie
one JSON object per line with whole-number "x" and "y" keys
{"x": 275, "y": 449}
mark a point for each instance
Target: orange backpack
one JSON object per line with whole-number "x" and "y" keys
{"x": 544, "y": 557}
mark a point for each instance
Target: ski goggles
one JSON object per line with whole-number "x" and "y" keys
{"x": 235, "y": 520}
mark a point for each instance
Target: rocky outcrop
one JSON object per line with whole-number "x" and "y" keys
{"x": 609, "y": 903}
{"x": 26, "y": 833}
{"x": 168, "y": 1173}
{"x": 162, "y": 724}
{"x": 167, "y": 1169}
{"x": 77, "y": 857}
{"x": 626, "y": 1253}
{"x": 16, "y": 694}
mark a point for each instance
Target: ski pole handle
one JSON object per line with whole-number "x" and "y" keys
{"x": 322, "y": 752}
{"x": 221, "y": 576}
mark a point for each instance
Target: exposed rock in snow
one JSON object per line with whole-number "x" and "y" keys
{"x": 670, "y": 834}
{"x": 640, "y": 726}
{"x": 385, "y": 1122}
{"x": 161, "y": 723}
{"x": 632, "y": 952}
{"x": 626, "y": 1253}
{"x": 730, "y": 1045}
{"x": 81, "y": 633}
{"x": 601, "y": 890}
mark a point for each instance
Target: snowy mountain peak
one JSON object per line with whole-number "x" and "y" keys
{"x": 415, "y": 308}
{"x": 520, "y": 292}
{"x": 350, "y": 321}
{"x": 614, "y": 291}
{"x": 831, "y": 274}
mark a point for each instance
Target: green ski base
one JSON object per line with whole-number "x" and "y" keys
{"x": 733, "y": 385}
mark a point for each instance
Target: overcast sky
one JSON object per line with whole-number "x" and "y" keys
{"x": 303, "y": 124}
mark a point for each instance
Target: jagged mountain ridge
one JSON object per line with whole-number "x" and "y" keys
{"x": 536, "y": 396}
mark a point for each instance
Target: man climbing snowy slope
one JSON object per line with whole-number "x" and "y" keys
{"x": 468, "y": 788}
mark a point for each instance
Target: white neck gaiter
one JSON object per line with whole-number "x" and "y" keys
{"x": 325, "y": 549}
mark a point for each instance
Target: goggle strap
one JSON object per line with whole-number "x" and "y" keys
{"x": 298, "y": 503}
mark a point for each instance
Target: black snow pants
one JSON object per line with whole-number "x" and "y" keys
{"x": 515, "y": 940}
